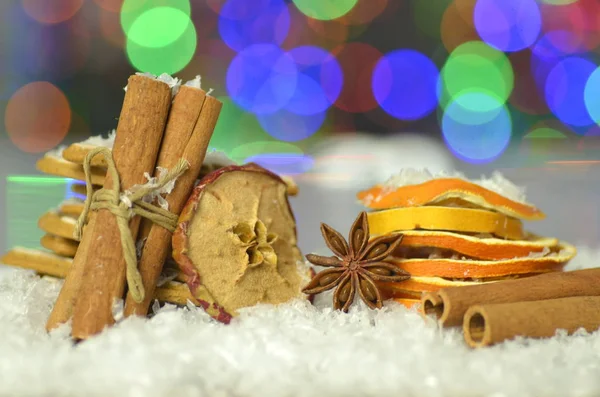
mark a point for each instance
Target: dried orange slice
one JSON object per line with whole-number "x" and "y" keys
{"x": 454, "y": 268}
{"x": 446, "y": 191}
{"x": 409, "y": 303}
{"x": 464, "y": 220}
{"x": 475, "y": 247}
{"x": 419, "y": 284}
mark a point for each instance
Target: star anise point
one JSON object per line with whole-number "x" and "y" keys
{"x": 356, "y": 266}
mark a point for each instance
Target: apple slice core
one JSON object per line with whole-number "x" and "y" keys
{"x": 236, "y": 242}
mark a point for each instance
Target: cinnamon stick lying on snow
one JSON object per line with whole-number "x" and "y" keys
{"x": 192, "y": 120}
{"x": 449, "y": 305}
{"x": 489, "y": 324}
{"x": 139, "y": 134}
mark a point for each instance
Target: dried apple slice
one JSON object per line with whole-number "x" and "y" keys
{"x": 236, "y": 242}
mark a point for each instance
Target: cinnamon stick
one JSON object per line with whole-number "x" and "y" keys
{"x": 489, "y": 324}
{"x": 191, "y": 123}
{"x": 63, "y": 308}
{"x": 449, "y": 305}
{"x": 138, "y": 137}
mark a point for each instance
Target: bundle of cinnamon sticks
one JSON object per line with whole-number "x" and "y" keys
{"x": 533, "y": 307}
{"x": 158, "y": 126}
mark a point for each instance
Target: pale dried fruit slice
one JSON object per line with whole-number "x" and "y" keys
{"x": 236, "y": 242}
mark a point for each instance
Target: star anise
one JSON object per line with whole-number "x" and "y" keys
{"x": 356, "y": 266}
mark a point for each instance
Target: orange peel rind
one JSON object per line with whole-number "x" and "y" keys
{"x": 477, "y": 247}
{"x": 453, "y": 268}
{"x": 438, "y": 191}
{"x": 463, "y": 220}
{"x": 421, "y": 284}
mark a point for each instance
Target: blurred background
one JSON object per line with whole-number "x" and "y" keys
{"x": 338, "y": 93}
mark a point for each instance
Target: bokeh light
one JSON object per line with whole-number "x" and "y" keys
{"x": 53, "y": 52}
{"x": 508, "y": 25}
{"x": 547, "y": 129}
{"x": 110, "y": 5}
{"x": 211, "y": 61}
{"x": 158, "y": 27}
{"x": 591, "y": 95}
{"x": 405, "y": 84}
{"x": 37, "y": 117}
{"x": 235, "y": 127}
{"x": 51, "y": 12}
{"x": 581, "y": 19}
{"x": 257, "y": 148}
{"x": 526, "y": 95}
{"x": 283, "y": 163}
{"x": 110, "y": 27}
{"x": 457, "y": 24}
{"x": 358, "y": 61}
{"x": 167, "y": 59}
{"x": 476, "y": 136}
{"x": 558, "y": 2}
{"x": 365, "y": 12}
{"x": 262, "y": 78}
{"x": 475, "y": 65}
{"x": 243, "y": 23}
{"x": 319, "y": 81}
{"x": 131, "y": 10}
{"x": 307, "y": 31}
{"x": 291, "y": 127}
{"x": 564, "y": 90}
{"x": 333, "y": 31}
{"x": 325, "y": 9}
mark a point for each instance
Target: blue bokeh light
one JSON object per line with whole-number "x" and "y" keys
{"x": 291, "y": 127}
{"x": 405, "y": 84}
{"x": 564, "y": 90}
{"x": 243, "y": 23}
{"x": 283, "y": 163}
{"x": 548, "y": 51}
{"x": 319, "y": 83}
{"x": 474, "y": 136}
{"x": 591, "y": 95}
{"x": 508, "y": 25}
{"x": 262, "y": 79}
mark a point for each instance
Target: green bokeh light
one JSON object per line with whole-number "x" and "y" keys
{"x": 167, "y": 59}
{"x": 242, "y": 152}
{"x": 235, "y": 127}
{"x": 558, "y": 2}
{"x": 325, "y": 9}
{"x": 158, "y": 27}
{"x": 131, "y": 10}
{"x": 28, "y": 197}
{"x": 476, "y": 66}
{"x": 545, "y": 133}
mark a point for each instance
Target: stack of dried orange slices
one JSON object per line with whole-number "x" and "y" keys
{"x": 458, "y": 232}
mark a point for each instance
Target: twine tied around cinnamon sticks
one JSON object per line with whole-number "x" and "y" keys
{"x": 125, "y": 205}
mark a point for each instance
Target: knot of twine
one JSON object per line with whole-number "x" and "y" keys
{"x": 124, "y": 206}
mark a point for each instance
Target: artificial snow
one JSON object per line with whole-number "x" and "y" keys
{"x": 100, "y": 141}
{"x": 291, "y": 350}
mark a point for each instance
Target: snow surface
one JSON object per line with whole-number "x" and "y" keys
{"x": 291, "y": 350}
